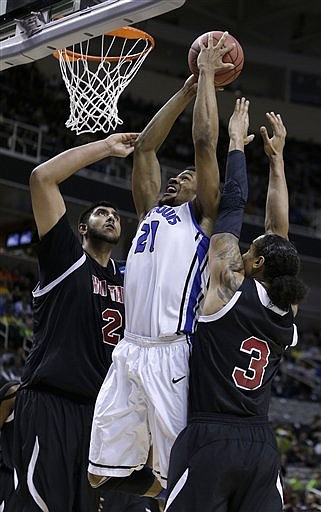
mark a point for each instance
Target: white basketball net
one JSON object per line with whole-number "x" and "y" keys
{"x": 94, "y": 87}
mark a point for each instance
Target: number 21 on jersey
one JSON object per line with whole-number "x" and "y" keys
{"x": 148, "y": 236}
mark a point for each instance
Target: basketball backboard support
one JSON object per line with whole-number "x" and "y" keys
{"x": 38, "y": 33}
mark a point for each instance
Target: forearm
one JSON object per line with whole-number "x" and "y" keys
{"x": 64, "y": 165}
{"x": 205, "y": 117}
{"x": 234, "y": 197}
{"x": 155, "y": 133}
{"x": 277, "y": 200}
{"x": 205, "y": 135}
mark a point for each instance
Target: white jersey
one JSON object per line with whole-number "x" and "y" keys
{"x": 166, "y": 273}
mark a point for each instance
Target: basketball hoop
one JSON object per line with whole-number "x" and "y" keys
{"x": 95, "y": 82}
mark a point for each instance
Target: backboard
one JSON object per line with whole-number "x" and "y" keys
{"x": 33, "y": 29}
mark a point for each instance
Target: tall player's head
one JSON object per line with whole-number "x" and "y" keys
{"x": 275, "y": 262}
{"x": 100, "y": 222}
{"x": 180, "y": 189}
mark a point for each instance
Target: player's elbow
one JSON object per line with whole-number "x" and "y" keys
{"x": 139, "y": 143}
{"x": 37, "y": 178}
{"x": 143, "y": 144}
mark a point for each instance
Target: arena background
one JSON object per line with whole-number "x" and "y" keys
{"x": 282, "y": 73}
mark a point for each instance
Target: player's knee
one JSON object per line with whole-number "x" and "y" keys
{"x": 97, "y": 480}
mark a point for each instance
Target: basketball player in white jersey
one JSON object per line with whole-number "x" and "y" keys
{"x": 142, "y": 403}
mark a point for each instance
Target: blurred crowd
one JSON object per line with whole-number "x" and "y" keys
{"x": 15, "y": 321}
{"x": 300, "y": 448}
{"x": 44, "y": 103}
{"x": 299, "y": 443}
{"x": 300, "y": 375}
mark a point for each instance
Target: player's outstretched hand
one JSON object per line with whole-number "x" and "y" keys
{"x": 239, "y": 122}
{"x": 273, "y": 146}
{"x": 211, "y": 56}
{"x": 121, "y": 144}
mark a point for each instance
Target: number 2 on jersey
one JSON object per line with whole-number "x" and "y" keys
{"x": 148, "y": 232}
{"x": 256, "y": 366}
{"x": 114, "y": 321}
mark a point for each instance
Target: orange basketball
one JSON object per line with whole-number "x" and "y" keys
{"x": 235, "y": 56}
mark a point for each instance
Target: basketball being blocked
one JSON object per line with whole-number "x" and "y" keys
{"x": 234, "y": 56}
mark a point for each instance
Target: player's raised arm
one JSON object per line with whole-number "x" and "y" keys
{"x": 277, "y": 200}
{"x": 47, "y": 202}
{"x": 146, "y": 179}
{"x": 225, "y": 260}
{"x": 205, "y": 131}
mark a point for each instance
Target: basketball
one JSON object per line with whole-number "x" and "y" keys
{"x": 235, "y": 56}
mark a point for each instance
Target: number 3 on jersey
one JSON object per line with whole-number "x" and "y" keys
{"x": 148, "y": 232}
{"x": 256, "y": 366}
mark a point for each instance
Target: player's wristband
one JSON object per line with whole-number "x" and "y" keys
{"x": 234, "y": 197}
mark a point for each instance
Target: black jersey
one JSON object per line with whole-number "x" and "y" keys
{"x": 237, "y": 352}
{"x": 78, "y": 318}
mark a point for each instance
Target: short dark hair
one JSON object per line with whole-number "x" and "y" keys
{"x": 84, "y": 216}
{"x": 281, "y": 269}
{"x": 189, "y": 168}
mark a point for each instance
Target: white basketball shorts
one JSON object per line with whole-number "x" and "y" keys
{"x": 141, "y": 404}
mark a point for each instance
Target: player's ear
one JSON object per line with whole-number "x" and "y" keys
{"x": 82, "y": 228}
{"x": 258, "y": 262}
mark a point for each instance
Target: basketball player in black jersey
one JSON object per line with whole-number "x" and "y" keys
{"x": 226, "y": 460}
{"x": 7, "y": 398}
{"x": 78, "y": 319}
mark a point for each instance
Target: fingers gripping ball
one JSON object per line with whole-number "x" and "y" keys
{"x": 234, "y": 56}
